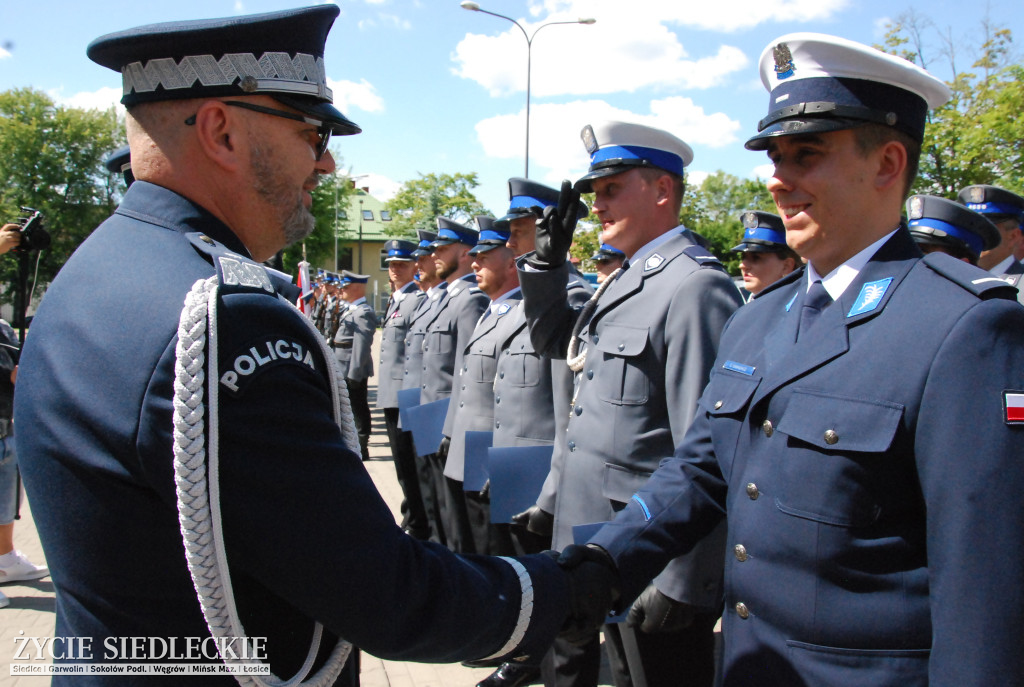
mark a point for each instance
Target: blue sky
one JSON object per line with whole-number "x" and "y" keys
{"x": 437, "y": 88}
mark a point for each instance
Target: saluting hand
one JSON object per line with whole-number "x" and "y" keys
{"x": 554, "y": 230}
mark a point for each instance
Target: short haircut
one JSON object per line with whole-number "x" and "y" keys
{"x": 870, "y": 137}
{"x": 652, "y": 174}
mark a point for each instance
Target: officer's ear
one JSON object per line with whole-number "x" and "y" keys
{"x": 219, "y": 133}
{"x": 892, "y": 165}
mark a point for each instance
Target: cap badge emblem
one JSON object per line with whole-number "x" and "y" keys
{"x": 976, "y": 194}
{"x": 916, "y": 207}
{"x": 589, "y": 139}
{"x": 783, "y": 61}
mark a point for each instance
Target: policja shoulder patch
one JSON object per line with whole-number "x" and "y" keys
{"x": 249, "y": 361}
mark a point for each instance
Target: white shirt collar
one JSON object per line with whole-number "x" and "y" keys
{"x": 496, "y": 303}
{"x": 836, "y": 281}
{"x": 1003, "y": 267}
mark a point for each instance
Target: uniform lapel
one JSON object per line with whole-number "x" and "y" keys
{"x": 632, "y": 280}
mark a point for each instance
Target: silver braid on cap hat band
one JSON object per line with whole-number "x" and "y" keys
{"x": 273, "y": 72}
{"x": 575, "y": 361}
{"x": 197, "y": 485}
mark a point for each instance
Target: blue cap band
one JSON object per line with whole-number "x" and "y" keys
{"x": 997, "y": 209}
{"x": 973, "y": 241}
{"x": 446, "y": 234}
{"x": 764, "y": 234}
{"x": 659, "y": 158}
{"x": 493, "y": 235}
{"x": 527, "y": 202}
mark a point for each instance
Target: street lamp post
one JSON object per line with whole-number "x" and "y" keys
{"x": 474, "y": 7}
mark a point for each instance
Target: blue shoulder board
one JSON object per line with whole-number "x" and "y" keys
{"x": 235, "y": 272}
{"x": 974, "y": 279}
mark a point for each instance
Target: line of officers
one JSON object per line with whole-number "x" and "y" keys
{"x": 457, "y": 327}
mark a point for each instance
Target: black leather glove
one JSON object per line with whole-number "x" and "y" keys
{"x": 442, "y": 448}
{"x": 593, "y": 590}
{"x": 554, "y": 230}
{"x": 532, "y": 529}
{"x": 654, "y": 612}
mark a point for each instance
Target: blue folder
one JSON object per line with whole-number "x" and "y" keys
{"x": 517, "y": 475}
{"x": 475, "y": 473}
{"x": 426, "y": 423}
{"x": 407, "y": 398}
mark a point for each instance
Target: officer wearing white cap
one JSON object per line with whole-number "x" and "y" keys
{"x": 642, "y": 348}
{"x": 1006, "y": 210}
{"x": 607, "y": 259}
{"x": 353, "y": 349}
{"x": 766, "y": 257}
{"x": 941, "y": 225}
{"x": 863, "y": 548}
{"x": 406, "y": 295}
{"x": 188, "y": 408}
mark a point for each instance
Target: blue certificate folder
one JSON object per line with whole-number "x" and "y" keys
{"x": 517, "y": 475}
{"x": 475, "y": 473}
{"x": 581, "y": 534}
{"x": 426, "y": 423}
{"x": 407, "y": 398}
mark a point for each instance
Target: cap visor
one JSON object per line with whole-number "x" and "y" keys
{"x": 796, "y": 127}
{"x": 339, "y": 123}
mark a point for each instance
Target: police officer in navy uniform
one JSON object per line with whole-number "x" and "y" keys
{"x": 228, "y": 122}
{"x": 120, "y": 162}
{"x": 1005, "y": 209}
{"x": 642, "y": 349}
{"x": 535, "y": 390}
{"x": 607, "y": 259}
{"x": 446, "y": 334}
{"x": 861, "y": 431}
{"x": 765, "y": 256}
{"x": 436, "y": 289}
{"x": 940, "y": 225}
{"x": 353, "y": 349}
{"x": 473, "y": 397}
{"x": 405, "y": 296}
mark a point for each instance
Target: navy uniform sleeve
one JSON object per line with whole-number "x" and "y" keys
{"x": 302, "y": 516}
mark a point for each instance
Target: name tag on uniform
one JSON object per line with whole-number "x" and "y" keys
{"x": 739, "y": 367}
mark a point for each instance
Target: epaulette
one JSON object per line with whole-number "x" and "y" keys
{"x": 703, "y": 257}
{"x": 982, "y": 284}
{"x": 475, "y": 289}
{"x": 234, "y": 272}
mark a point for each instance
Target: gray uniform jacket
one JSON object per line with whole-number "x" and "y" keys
{"x": 535, "y": 390}
{"x": 650, "y": 345}
{"x": 421, "y": 317}
{"x": 473, "y": 398}
{"x": 447, "y": 335}
{"x": 353, "y": 343}
{"x": 392, "y": 344}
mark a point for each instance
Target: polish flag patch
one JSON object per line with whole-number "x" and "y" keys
{"x": 1013, "y": 407}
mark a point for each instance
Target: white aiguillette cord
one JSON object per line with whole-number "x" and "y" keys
{"x": 575, "y": 361}
{"x": 199, "y": 497}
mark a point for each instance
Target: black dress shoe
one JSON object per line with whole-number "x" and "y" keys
{"x": 511, "y": 675}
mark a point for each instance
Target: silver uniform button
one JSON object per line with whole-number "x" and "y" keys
{"x": 718, "y": 404}
{"x": 831, "y": 437}
{"x": 742, "y": 610}
{"x": 767, "y": 427}
{"x": 752, "y": 491}
{"x": 741, "y": 552}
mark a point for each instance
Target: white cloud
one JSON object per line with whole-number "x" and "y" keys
{"x": 696, "y": 177}
{"x": 362, "y": 95}
{"x": 101, "y": 99}
{"x": 555, "y": 131}
{"x": 395, "y": 21}
{"x": 239, "y": 6}
{"x": 764, "y": 171}
{"x": 4, "y": 53}
{"x": 381, "y": 187}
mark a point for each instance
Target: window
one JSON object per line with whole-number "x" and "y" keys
{"x": 342, "y": 214}
{"x": 368, "y": 215}
{"x": 383, "y": 256}
{"x": 385, "y": 216}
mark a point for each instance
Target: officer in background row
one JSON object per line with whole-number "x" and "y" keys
{"x": 353, "y": 349}
{"x": 606, "y": 260}
{"x": 447, "y": 334}
{"x": 867, "y": 528}
{"x": 473, "y": 398}
{"x": 940, "y": 225}
{"x": 120, "y": 162}
{"x": 405, "y": 297}
{"x": 1005, "y": 210}
{"x": 642, "y": 348}
{"x": 228, "y": 122}
{"x": 535, "y": 390}
{"x": 765, "y": 256}
{"x": 436, "y": 289}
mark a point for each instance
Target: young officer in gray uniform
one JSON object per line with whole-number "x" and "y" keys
{"x": 405, "y": 297}
{"x": 862, "y": 428}
{"x": 472, "y": 400}
{"x": 186, "y": 436}
{"x": 447, "y": 333}
{"x": 642, "y": 348}
{"x": 535, "y": 390}
{"x": 1005, "y": 210}
{"x": 353, "y": 349}
{"x": 940, "y": 225}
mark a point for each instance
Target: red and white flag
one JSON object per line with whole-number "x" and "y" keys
{"x": 1013, "y": 402}
{"x": 304, "y": 286}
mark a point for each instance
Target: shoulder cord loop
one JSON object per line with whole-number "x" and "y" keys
{"x": 199, "y": 498}
{"x": 575, "y": 361}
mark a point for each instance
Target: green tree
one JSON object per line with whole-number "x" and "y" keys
{"x": 978, "y": 136}
{"x": 713, "y": 210}
{"x": 52, "y": 157}
{"x": 419, "y": 201}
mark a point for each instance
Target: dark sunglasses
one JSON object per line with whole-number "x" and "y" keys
{"x": 323, "y": 131}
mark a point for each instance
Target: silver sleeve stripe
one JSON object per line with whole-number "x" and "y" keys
{"x": 525, "y": 608}
{"x": 273, "y": 71}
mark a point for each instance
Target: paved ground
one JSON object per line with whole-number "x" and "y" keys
{"x": 32, "y": 604}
